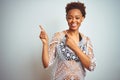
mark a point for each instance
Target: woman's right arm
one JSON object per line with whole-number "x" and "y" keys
{"x": 44, "y": 38}
{"x": 45, "y": 56}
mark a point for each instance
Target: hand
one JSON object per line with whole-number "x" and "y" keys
{"x": 69, "y": 41}
{"x": 43, "y": 35}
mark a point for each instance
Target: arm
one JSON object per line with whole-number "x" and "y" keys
{"x": 44, "y": 38}
{"x": 45, "y": 56}
{"x": 48, "y": 51}
{"x": 85, "y": 59}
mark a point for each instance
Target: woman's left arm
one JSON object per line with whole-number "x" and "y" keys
{"x": 86, "y": 59}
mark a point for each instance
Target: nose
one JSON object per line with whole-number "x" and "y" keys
{"x": 73, "y": 20}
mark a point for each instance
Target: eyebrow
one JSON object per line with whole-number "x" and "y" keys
{"x": 75, "y": 16}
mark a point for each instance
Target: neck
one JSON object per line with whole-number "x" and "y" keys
{"x": 72, "y": 33}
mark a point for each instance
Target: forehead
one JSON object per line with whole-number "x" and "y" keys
{"x": 74, "y": 12}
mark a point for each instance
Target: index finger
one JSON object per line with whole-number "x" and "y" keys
{"x": 41, "y": 28}
{"x": 66, "y": 34}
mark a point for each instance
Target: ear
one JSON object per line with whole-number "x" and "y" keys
{"x": 83, "y": 19}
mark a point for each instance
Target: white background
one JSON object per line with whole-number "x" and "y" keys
{"x": 20, "y": 46}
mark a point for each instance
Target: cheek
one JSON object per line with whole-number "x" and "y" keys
{"x": 68, "y": 21}
{"x": 79, "y": 21}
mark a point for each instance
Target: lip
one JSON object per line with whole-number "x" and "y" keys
{"x": 73, "y": 25}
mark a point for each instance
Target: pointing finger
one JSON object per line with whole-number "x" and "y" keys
{"x": 66, "y": 34}
{"x": 41, "y": 28}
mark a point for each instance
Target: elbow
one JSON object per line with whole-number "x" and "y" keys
{"x": 45, "y": 65}
{"x": 92, "y": 66}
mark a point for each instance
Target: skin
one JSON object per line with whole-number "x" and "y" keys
{"x": 74, "y": 19}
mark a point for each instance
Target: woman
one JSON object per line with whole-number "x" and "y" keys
{"x": 70, "y": 50}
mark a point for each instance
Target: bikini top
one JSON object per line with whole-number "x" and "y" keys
{"x": 67, "y": 52}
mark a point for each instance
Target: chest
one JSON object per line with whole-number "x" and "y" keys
{"x": 65, "y": 53}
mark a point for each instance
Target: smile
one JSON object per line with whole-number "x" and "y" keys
{"x": 74, "y": 24}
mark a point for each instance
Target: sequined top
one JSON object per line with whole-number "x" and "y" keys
{"x": 67, "y": 65}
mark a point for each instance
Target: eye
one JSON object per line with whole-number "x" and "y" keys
{"x": 69, "y": 18}
{"x": 77, "y": 17}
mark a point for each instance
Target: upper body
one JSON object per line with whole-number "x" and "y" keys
{"x": 67, "y": 64}
{"x": 71, "y": 50}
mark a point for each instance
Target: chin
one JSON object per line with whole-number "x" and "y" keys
{"x": 74, "y": 28}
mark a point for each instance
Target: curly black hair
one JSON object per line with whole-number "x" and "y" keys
{"x": 76, "y": 5}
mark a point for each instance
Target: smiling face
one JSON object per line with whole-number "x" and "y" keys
{"x": 74, "y": 19}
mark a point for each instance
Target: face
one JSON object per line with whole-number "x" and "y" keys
{"x": 74, "y": 19}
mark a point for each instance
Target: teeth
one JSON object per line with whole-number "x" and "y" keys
{"x": 74, "y": 24}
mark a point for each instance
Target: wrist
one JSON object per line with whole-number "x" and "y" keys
{"x": 45, "y": 43}
{"x": 74, "y": 47}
